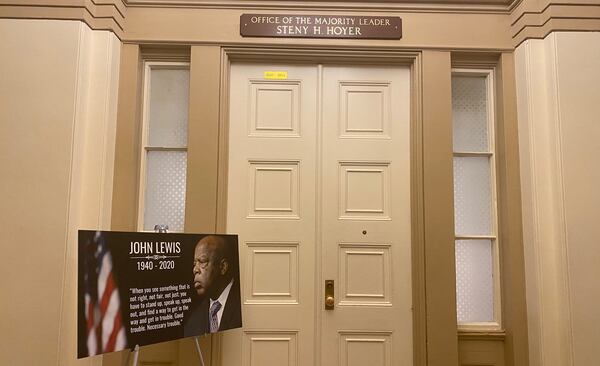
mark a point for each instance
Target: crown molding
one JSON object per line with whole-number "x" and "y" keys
{"x": 531, "y": 20}
{"x": 106, "y": 15}
{"x": 439, "y": 6}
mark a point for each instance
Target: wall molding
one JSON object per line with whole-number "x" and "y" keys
{"x": 482, "y": 336}
{"x": 167, "y": 53}
{"x": 536, "y": 22}
{"x": 439, "y": 6}
{"x": 106, "y": 15}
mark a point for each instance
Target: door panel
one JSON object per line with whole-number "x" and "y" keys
{"x": 271, "y": 205}
{"x": 319, "y": 188}
{"x": 366, "y": 215}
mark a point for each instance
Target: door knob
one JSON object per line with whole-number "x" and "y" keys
{"x": 329, "y": 301}
{"x": 329, "y": 295}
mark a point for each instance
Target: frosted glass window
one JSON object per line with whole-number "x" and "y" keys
{"x": 472, "y": 196}
{"x": 469, "y": 113}
{"x": 168, "y": 110}
{"x": 474, "y": 200}
{"x": 474, "y": 281}
{"x": 165, "y": 189}
{"x": 165, "y": 145}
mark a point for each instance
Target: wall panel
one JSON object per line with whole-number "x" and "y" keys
{"x": 558, "y": 98}
{"x": 57, "y": 136}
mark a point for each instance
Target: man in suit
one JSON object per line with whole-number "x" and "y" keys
{"x": 217, "y": 285}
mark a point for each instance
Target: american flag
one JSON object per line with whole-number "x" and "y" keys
{"x": 104, "y": 329}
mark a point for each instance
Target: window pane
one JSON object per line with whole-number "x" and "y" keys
{"x": 169, "y": 90}
{"x": 474, "y": 281}
{"x": 472, "y": 196}
{"x": 469, "y": 113}
{"x": 165, "y": 189}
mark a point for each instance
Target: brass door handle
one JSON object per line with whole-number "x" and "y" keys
{"x": 329, "y": 301}
{"x": 329, "y": 295}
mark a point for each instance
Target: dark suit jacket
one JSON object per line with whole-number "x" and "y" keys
{"x": 198, "y": 323}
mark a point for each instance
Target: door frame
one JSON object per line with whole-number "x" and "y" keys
{"x": 362, "y": 56}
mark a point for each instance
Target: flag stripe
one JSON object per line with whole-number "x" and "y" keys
{"x": 107, "y": 295}
{"x": 108, "y": 320}
{"x": 105, "y": 331}
{"x": 91, "y": 335}
{"x": 104, "y": 272}
{"x": 110, "y": 345}
{"x": 89, "y": 313}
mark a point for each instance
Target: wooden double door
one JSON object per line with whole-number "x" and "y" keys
{"x": 319, "y": 190}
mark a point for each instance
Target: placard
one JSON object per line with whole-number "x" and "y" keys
{"x": 275, "y": 75}
{"x": 143, "y": 288}
{"x": 320, "y": 26}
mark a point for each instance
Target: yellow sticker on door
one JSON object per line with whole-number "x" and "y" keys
{"x": 276, "y": 75}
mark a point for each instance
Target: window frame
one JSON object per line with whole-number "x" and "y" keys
{"x": 147, "y": 68}
{"x": 496, "y": 323}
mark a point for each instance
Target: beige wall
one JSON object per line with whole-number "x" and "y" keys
{"x": 558, "y": 82}
{"x": 57, "y": 129}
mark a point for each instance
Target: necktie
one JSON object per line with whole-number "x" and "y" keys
{"x": 214, "y": 320}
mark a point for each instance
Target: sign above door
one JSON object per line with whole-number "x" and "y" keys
{"x": 320, "y": 26}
